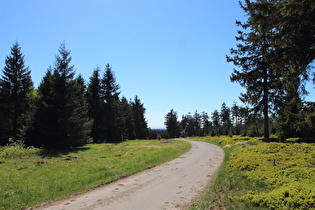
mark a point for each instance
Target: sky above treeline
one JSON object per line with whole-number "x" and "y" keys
{"x": 171, "y": 53}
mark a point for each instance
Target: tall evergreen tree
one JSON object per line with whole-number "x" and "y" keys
{"x": 277, "y": 52}
{"x": 254, "y": 56}
{"x": 172, "y": 124}
{"x": 128, "y": 120}
{"x": 61, "y": 120}
{"x": 110, "y": 95}
{"x": 225, "y": 119}
{"x": 191, "y": 124}
{"x": 294, "y": 45}
{"x": 15, "y": 87}
{"x": 215, "y": 117}
{"x": 141, "y": 125}
{"x": 206, "y": 124}
{"x": 96, "y": 106}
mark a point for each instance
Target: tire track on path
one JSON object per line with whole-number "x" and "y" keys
{"x": 172, "y": 185}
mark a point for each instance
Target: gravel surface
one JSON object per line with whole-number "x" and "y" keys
{"x": 172, "y": 185}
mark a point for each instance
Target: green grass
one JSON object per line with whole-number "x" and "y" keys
{"x": 30, "y": 176}
{"x": 258, "y": 175}
{"x": 226, "y": 185}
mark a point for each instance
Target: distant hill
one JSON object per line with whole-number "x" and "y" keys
{"x": 157, "y": 128}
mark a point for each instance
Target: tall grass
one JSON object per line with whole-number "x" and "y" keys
{"x": 30, "y": 176}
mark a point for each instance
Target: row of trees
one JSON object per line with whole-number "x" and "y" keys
{"x": 63, "y": 112}
{"x": 227, "y": 121}
{"x": 234, "y": 120}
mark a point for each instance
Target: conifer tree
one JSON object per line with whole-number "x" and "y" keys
{"x": 141, "y": 127}
{"x": 172, "y": 124}
{"x": 15, "y": 87}
{"x": 96, "y": 106}
{"x": 110, "y": 95}
{"x": 128, "y": 120}
{"x": 61, "y": 120}
{"x": 254, "y": 55}
{"x": 225, "y": 119}
{"x": 294, "y": 45}
{"x": 215, "y": 117}
{"x": 277, "y": 51}
{"x": 206, "y": 124}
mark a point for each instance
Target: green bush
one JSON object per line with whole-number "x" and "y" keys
{"x": 17, "y": 149}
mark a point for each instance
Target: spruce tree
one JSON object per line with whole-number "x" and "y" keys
{"x": 225, "y": 119}
{"x": 110, "y": 95}
{"x": 61, "y": 120}
{"x": 254, "y": 55}
{"x": 128, "y": 119}
{"x": 188, "y": 125}
{"x": 206, "y": 124}
{"x": 15, "y": 88}
{"x": 141, "y": 127}
{"x": 294, "y": 45}
{"x": 215, "y": 117}
{"x": 172, "y": 124}
{"x": 96, "y": 107}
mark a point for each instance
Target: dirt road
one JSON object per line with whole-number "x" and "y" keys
{"x": 173, "y": 185}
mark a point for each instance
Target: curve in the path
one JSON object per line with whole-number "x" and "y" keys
{"x": 172, "y": 185}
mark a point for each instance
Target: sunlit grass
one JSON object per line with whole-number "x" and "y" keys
{"x": 260, "y": 175}
{"x": 226, "y": 185}
{"x": 37, "y": 176}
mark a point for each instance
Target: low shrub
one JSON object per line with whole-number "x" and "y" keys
{"x": 17, "y": 149}
{"x": 286, "y": 168}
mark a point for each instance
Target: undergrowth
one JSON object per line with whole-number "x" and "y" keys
{"x": 260, "y": 175}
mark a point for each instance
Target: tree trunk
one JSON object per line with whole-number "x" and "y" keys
{"x": 265, "y": 111}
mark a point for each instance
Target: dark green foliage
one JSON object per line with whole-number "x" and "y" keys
{"x": 225, "y": 119}
{"x": 128, "y": 124}
{"x": 206, "y": 125}
{"x": 172, "y": 124}
{"x": 252, "y": 55}
{"x": 96, "y": 108}
{"x": 235, "y": 121}
{"x": 61, "y": 120}
{"x": 16, "y": 87}
{"x": 115, "y": 119}
{"x": 141, "y": 127}
{"x": 188, "y": 126}
{"x": 275, "y": 54}
{"x": 110, "y": 96}
{"x": 62, "y": 113}
{"x": 215, "y": 117}
{"x": 158, "y": 134}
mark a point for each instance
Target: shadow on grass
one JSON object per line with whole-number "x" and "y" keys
{"x": 49, "y": 153}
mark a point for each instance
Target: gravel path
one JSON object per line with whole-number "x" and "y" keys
{"x": 172, "y": 185}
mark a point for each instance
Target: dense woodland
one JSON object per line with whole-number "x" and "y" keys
{"x": 64, "y": 112}
{"x": 274, "y": 57}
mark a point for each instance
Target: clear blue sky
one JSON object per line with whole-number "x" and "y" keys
{"x": 171, "y": 53}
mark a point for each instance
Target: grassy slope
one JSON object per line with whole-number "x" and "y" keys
{"x": 29, "y": 176}
{"x": 265, "y": 176}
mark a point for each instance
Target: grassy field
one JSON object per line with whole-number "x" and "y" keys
{"x": 258, "y": 175}
{"x": 29, "y": 176}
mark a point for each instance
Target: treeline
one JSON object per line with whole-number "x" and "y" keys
{"x": 235, "y": 120}
{"x": 64, "y": 112}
